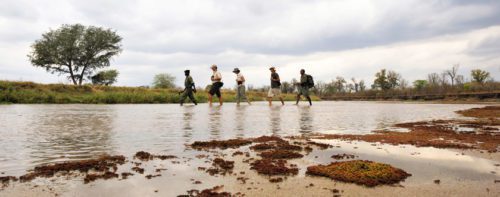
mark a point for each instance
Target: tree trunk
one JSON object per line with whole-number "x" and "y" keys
{"x": 81, "y": 76}
{"x": 71, "y": 74}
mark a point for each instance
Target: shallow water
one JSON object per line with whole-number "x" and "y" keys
{"x": 41, "y": 134}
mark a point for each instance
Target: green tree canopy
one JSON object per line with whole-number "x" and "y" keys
{"x": 420, "y": 84}
{"x": 105, "y": 77}
{"x": 479, "y": 76}
{"x": 164, "y": 80}
{"x": 75, "y": 50}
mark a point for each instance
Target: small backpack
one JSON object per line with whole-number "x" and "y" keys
{"x": 310, "y": 81}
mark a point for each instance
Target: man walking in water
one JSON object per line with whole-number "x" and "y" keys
{"x": 275, "y": 89}
{"x": 240, "y": 91}
{"x": 216, "y": 85}
{"x": 189, "y": 89}
{"x": 306, "y": 82}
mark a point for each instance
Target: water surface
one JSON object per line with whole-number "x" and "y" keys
{"x": 41, "y": 134}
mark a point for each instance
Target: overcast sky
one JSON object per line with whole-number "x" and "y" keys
{"x": 349, "y": 38}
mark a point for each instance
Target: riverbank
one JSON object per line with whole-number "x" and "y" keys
{"x": 35, "y": 93}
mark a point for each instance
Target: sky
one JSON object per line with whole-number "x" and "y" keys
{"x": 327, "y": 38}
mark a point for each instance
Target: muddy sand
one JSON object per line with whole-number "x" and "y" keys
{"x": 432, "y": 158}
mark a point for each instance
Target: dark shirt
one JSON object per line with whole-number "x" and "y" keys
{"x": 303, "y": 80}
{"x": 188, "y": 83}
{"x": 275, "y": 84}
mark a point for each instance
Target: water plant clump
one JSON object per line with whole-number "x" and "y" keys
{"x": 222, "y": 144}
{"x": 361, "y": 172}
{"x": 145, "y": 156}
{"x": 264, "y": 138}
{"x": 103, "y": 164}
{"x": 280, "y": 154}
{"x": 273, "y": 167}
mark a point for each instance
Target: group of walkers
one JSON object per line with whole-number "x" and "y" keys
{"x": 306, "y": 82}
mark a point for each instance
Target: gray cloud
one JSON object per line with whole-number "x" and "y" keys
{"x": 168, "y": 36}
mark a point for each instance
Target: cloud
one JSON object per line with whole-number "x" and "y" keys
{"x": 329, "y": 38}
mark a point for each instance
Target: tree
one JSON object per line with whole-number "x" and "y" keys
{"x": 394, "y": 79}
{"x": 433, "y": 79}
{"x": 479, "y": 76}
{"x": 75, "y": 50}
{"x": 106, "y": 77}
{"x": 419, "y": 84}
{"x": 452, "y": 73}
{"x": 362, "y": 85}
{"x": 164, "y": 80}
{"x": 339, "y": 84}
{"x": 380, "y": 81}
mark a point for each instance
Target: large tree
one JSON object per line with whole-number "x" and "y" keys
{"x": 75, "y": 50}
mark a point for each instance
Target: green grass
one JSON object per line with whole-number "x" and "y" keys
{"x": 30, "y": 92}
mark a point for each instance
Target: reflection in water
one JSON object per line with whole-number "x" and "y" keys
{"x": 214, "y": 118}
{"x": 305, "y": 120}
{"x": 61, "y": 135}
{"x": 187, "y": 119}
{"x": 240, "y": 119}
{"x": 275, "y": 120}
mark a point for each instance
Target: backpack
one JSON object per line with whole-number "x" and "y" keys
{"x": 310, "y": 81}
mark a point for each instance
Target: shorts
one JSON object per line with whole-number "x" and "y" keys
{"x": 215, "y": 89}
{"x": 304, "y": 91}
{"x": 274, "y": 92}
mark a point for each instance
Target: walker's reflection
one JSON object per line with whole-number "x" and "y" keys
{"x": 305, "y": 120}
{"x": 275, "y": 120}
{"x": 240, "y": 119}
{"x": 187, "y": 126}
{"x": 214, "y": 122}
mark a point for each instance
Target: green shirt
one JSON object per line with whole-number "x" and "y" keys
{"x": 188, "y": 82}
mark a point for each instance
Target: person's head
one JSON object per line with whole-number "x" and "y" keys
{"x": 213, "y": 67}
{"x": 186, "y": 72}
{"x": 302, "y": 71}
{"x": 272, "y": 69}
{"x": 236, "y": 70}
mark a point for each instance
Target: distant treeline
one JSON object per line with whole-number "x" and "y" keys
{"x": 389, "y": 84}
{"x": 29, "y": 92}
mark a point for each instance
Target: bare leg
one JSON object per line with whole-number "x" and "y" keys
{"x": 282, "y": 101}
{"x": 298, "y": 98}
{"x": 309, "y": 99}
{"x": 220, "y": 100}
{"x": 270, "y": 99}
{"x": 210, "y": 100}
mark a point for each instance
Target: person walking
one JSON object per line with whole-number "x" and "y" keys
{"x": 189, "y": 89}
{"x": 217, "y": 84}
{"x": 306, "y": 82}
{"x": 275, "y": 89}
{"x": 240, "y": 90}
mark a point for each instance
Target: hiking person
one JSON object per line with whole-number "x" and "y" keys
{"x": 306, "y": 82}
{"x": 275, "y": 89}
{"x": 189, "y": 89}
{"x": 217, "y": 84}
{"x": 240, "y": 90}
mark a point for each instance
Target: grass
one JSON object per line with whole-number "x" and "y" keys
{"x": 34, "y": 93}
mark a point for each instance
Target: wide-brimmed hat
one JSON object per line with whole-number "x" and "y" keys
{"x": 187, "y": 71}
{"x": 272, "y": 68}
{"x": 236, "y": 70}
{"x": 213, "y": 66}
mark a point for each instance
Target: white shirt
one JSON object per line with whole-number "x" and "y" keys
{"x": 240, "y": 77}
{"x": 217, "y": 75}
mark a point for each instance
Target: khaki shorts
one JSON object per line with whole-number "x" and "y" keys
{"x": 274, "y": 92}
